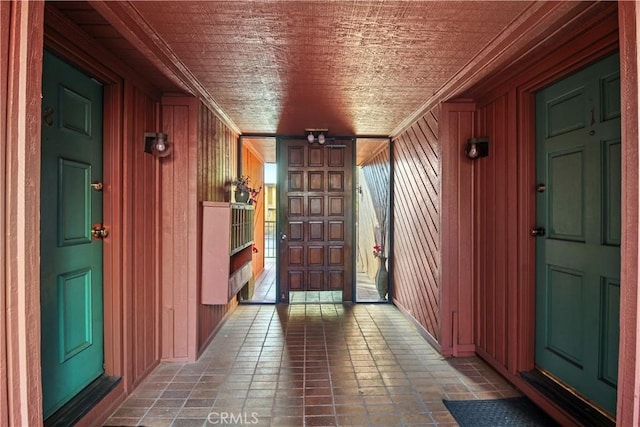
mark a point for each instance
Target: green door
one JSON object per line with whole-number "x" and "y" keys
{"x": 578, "y": 172}
{"x": 71, "y": 259}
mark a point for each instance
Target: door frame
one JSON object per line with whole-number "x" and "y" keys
{"x": 547, "y": 362}
{"x": 351, "y": 293}
{"x": 527, "y": 197}
{"x": 58, "y": 36}
{"x": 525, "y": 100}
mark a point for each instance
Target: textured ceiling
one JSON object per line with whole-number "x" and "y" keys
{"x": 354, "y": 67}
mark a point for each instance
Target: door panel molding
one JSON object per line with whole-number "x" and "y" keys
{"x": 315, "y": 193}
{"x": 573, "y": 320}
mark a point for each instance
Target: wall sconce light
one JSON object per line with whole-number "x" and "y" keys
{"x": 477, "y": 147}
{"x": 316, "y": 135}
{"x": 157, "y": 144}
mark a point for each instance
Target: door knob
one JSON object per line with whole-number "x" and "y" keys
{"x": 99, "y": 232}
{"x": 283, "y": 237}
{"x": 538, "y": 231}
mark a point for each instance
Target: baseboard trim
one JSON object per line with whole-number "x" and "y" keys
{"x": 421, "y": 329}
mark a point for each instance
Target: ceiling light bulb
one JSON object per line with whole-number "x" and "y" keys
{"x": 321, "y": 138}
{"x": 310, "y": 137}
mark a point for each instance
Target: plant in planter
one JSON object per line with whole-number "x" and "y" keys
{"x": 243, "y": 192}
{"x": 382, "y": 275}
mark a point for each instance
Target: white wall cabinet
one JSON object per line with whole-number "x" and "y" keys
{"x": 227, "y": 244}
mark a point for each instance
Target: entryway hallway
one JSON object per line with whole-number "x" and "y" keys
{"x": 311, "y": 365}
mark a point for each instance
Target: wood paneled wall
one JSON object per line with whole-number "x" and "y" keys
{"x": 217, "y": 157}
{"x": 217, "y": 167}
{"x": 203, "y": 162}
{"x": 458, "y": 265}
{"x": 496, "y": 236}
{"x": 417, "y": 218}
{"x": 180, "y": 240}
{"x": 253, "y": 166}
{"x": 140, "y": 223}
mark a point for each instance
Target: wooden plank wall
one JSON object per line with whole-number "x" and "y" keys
{"x": 179, "y": 239}
{"x": 496, "y": 228}
{"x": 456, "y": 233}
{"x": 217, "y": 167}
{"x": 416, "y": 257}
{"x": 253, "y": 166}
{"x": 140, "y": 223}
{"x": 217, "y": 157}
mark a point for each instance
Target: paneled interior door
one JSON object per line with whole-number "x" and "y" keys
{"x": 315, "y": 217}
{"x": 71, "y": 259}
{"x": 578, "y": 169}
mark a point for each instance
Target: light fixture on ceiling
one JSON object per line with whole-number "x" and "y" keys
{"x": 157, "y": 144}
{"x": 316, "y": 135}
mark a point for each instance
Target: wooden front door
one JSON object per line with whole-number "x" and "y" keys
{"x": 71, "y": 259}
{"x": 578, "y": 169}
{"x": 316, "y": 217}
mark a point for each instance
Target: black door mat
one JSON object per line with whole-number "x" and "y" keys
{"x": 511, "y": 412}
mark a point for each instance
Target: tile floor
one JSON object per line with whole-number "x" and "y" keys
{"x": 311, "y": 365}
{"x": 265, "y": 289}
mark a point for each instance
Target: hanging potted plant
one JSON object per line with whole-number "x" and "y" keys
{"x": 243, "y": 192}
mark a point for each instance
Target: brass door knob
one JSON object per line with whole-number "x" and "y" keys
{"x": 99, "y": 232}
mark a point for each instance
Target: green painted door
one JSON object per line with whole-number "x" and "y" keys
{"x": 71, "y": 260}
{"x": 578, "y": 170}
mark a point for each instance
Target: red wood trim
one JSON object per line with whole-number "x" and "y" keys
{"x": 547, "y": 405}
{"x": 59, "y": 34}
{"x": 100, "y": 413}
{"x": 556, "y": 67}
{"x": 21, "y": 76}
{"x": 124, "y": 355}
{"x": 598, "y": 39}
{"x": 456, "y": 126}
{"x": 589, "y": 34}
{"x": 180, "y": 251}
{"x": 526, "y": 246}
{"x": 126, "y": 19}
{"x": 69, "y": 41}
{"x": 5, "y": 55}
{"x": 113, "y": 268}
{"x": 514, "y": 228}
{"x": 628, "y": 409}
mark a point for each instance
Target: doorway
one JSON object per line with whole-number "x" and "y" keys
{"x": 370, "y": 209}
{"x": 315, "y": 220}
{"x": 578, "y": 215}
{"x": 373, "y": 196}
{"x": 258, "y": 162}
{"x": 71, "y": 249}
